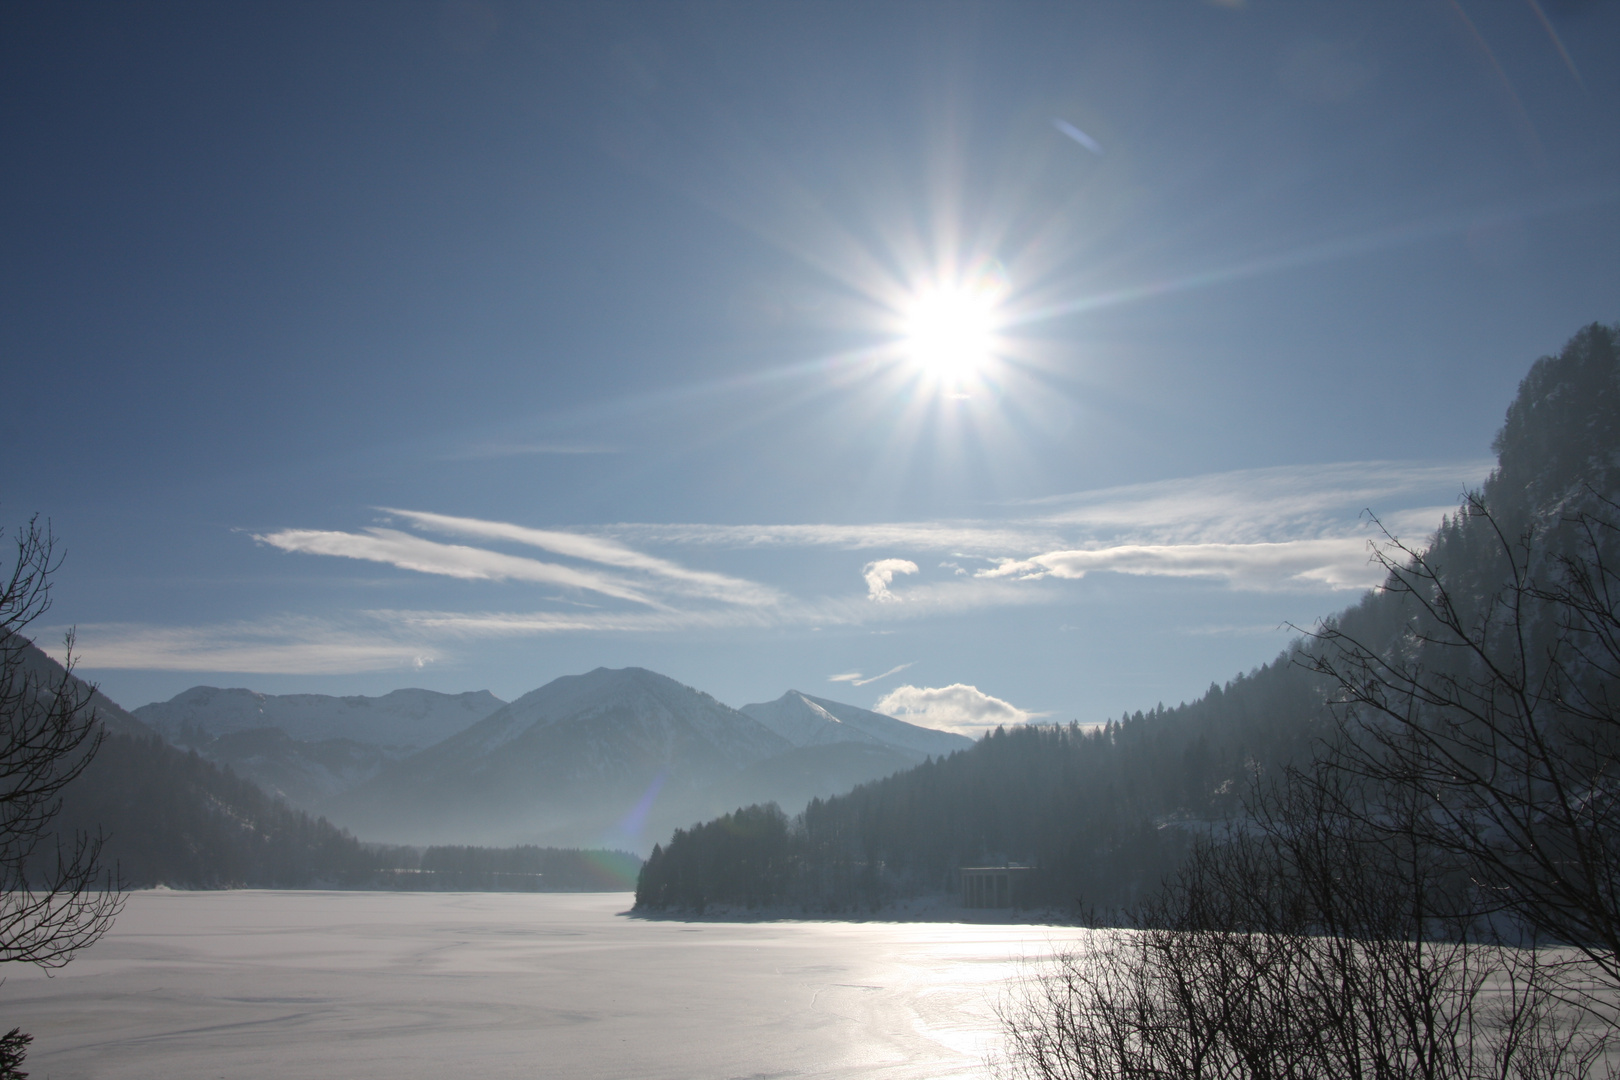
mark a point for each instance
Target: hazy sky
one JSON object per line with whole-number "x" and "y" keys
{"x": 919, "y": 354}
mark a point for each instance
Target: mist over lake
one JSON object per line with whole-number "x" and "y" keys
{"x": 249, "y": 984}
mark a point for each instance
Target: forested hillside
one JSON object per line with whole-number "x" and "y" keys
{"x": 172, "y": 818}
{"x": 1103, "y": 814}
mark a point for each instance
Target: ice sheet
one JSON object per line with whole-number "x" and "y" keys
{"x": 401, "y": 985}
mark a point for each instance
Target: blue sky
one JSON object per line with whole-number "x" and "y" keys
{"x": 467, "y": 345}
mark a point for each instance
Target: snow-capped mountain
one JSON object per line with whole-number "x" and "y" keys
{"x": 307, "y": 748}
{"x": 605, "y": 757}
{"x": 673, "y": 721}
{"x": 811, "y": 721}
{"x": 405, "y": 719}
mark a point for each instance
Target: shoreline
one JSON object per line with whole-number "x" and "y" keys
{"x": 934, "y": 909}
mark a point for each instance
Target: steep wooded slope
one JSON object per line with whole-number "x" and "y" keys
{"x": 169, "y": 817}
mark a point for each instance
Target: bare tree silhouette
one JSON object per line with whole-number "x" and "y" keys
{"x": 52, "y": 902}
{"x": 1495, "y": 707}
{"x": 1437, "y": 893}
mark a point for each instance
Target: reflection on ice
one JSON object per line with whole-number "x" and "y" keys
{"x": 363, "y": 985}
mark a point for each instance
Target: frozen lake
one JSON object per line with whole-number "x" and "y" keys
{"x": 399, "y": 985}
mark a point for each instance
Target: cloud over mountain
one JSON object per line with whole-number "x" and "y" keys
{"x": 957, "y": 707}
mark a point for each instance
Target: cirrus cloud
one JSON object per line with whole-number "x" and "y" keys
{"x": 1296, "y": 529}
{"x": 600, "y": 550}
{"x": 855, "y": 678}
{"x": 409, "y": 552}
{"x": 282, "y": 645}
{"x": 1341, "y": 562}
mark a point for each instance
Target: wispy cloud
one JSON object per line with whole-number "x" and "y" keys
{"x": 1337, "y": 563}
{"x": 600, "y": 550}
{"x": 854, "y": 678}
{"x": 496, "y": 624}
{"x": 977, "y": 537}
{"x": 1271, "y": 504}
{"x": 383, "y": 639}
{"x": 409, "y": 552}
{"x": 281, "y": 646}
{"x": 944, "y": 598}
{"x": 1296, "y": 528}
{"x": 1289, "y": 527}
{"x": 1260, "y": 504}
{"x": 957, "y": 707}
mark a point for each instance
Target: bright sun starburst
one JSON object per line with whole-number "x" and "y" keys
{"x": 950, "y": 332}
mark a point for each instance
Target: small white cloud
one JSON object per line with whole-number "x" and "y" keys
{"x": 848, "y": 676}
{"x": 880, "y": 575}
{"x": 957, "y": 707}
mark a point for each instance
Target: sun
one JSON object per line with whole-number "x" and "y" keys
{"x": 950, "y": 332}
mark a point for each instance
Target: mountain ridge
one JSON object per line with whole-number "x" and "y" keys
{"x": 406, "y": 718}
{"x": 806, "y": 720}
{"x": 308, "y": 748}
{"x": 578, "y": 755}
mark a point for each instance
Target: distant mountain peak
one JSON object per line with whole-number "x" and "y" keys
{"x": 806, "y": 720}
{"x": 411, "y": 718}
{"x": 581, "y": 755}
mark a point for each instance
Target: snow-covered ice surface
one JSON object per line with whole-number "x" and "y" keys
{"x": 354, "y": 985}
